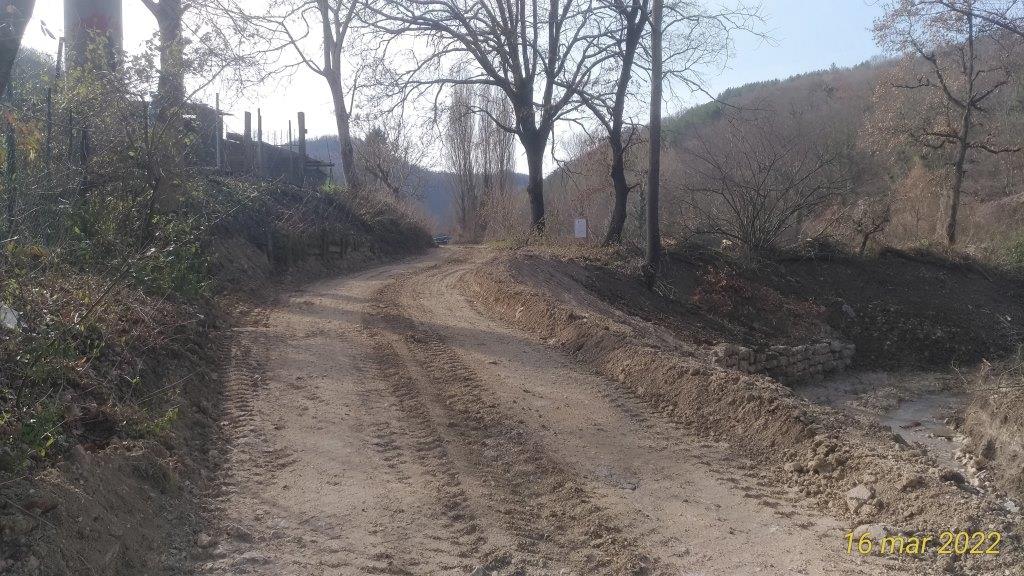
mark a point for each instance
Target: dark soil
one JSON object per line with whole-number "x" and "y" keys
{"x": 902, "y": 310}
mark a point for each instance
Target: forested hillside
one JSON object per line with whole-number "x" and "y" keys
{"x": 834, "y": 129}
{"x": 433, "y": 191}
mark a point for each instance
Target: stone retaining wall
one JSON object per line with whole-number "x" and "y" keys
{"x": 797, "y": 362}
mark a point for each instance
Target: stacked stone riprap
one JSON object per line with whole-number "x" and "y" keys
{"x": 806, "y": 361}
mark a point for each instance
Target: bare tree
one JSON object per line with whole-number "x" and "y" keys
{"x": 536, "y": 53}
{"x": 753, "y": 181}
{"x": 390, "y": 154}
{"x": 170, "y": 97}
{"x": 696, "y": 37}
{"x": 957, "y": 83}
{"x": 495, "y": 148}
{"x": 652, "y": 260}
{"x": 301, "y": 27}
{"x": 607, "y": 101}
{"x": 171, "y": 85}
{"x": 14, "y": 17}
{"x": 496, "y": 164}
{"x": 495, "y": 152}
{"x": 460, "y": 143}
{"x": 869, "y": 218}
{"x": 1007, "y": 15}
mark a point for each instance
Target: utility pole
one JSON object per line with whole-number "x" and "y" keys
{"x": 652, "y": 258}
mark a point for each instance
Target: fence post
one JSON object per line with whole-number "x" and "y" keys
{"x": 49, "y": 134}
{"x": 247, "y": 142}
{"x": 302, "y": 149}
{"x": 259, "y": 141}
{"x": 220, "y": 134}
{"x": 11, "y": 144}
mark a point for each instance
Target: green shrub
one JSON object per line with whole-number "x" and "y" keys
{"x": 145, "y": 426}
{"x": 175, "y": 264}
{"x": 1015, "y": 253}
{"x": 36, "y": 433}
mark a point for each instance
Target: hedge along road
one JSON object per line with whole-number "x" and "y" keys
{"x": 380, "y": 424}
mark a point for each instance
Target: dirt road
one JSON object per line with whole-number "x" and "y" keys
{"x": 380, "y": 424}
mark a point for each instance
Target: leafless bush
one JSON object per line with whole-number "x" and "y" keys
{"x": 754, "y": 181}
{"x": 869, "y": 218}
{"x": 390, "y": 154}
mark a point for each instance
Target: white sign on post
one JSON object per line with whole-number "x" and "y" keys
{"x": 581, "y": 227}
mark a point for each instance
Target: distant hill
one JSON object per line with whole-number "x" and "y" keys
{"x": 436, "y": 187}
{"x": 837, "y": 109}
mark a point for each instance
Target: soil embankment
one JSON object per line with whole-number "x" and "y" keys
{"x": 995, "y": 424}
{"x": 137, "y": 408}
{"x": 858, "y": 470}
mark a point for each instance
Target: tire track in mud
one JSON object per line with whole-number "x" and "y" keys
{"x": 257, "y": 532}
{"x": 233, "y": 460}
{"x": 552, "y": 518}
{"x": 657, "y": 419}
{"x": 366, "y": 437}
{"x": 691, "y": 499}
{"x": 402, "y": 436}
{"x": 238, "y": 423}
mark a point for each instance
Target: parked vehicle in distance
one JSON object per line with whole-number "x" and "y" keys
{"x": 442, "y": 239}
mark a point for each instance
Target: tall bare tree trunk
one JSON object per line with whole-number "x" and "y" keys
{"x": 634, "y": 34}
{"x": 344, "y": 121}
{"x": 652, "y": 259}
{"x": 534, "y": 148}
{"x": 963, "y": 138}
{"x": 621, "y": 191}
{"x": 171, "y": 84}
{"x": 168, "y": 137}
{"x": 14, "y": 17}
{"x": 959, "y": 169}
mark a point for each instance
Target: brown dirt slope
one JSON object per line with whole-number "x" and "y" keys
{"x": 901, "y": 309}
{"x": 995, "y": 421}
{"x": 123, "y": 404}
{"x": 133, "y": 396}
{"x": 285, "y": 233}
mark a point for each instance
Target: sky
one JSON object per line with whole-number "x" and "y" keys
{"x": 805, "y": 35}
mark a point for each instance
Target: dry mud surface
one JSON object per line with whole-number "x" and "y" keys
{"x": 383, "y": 423}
